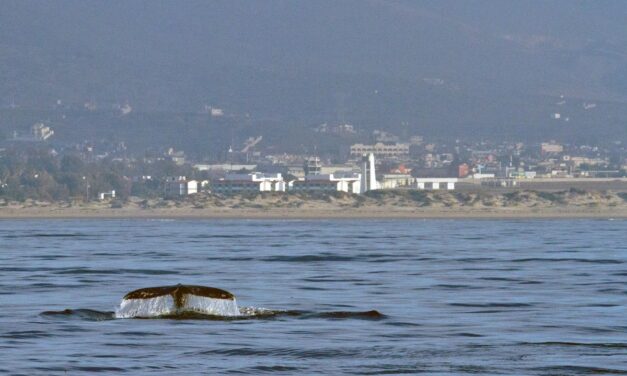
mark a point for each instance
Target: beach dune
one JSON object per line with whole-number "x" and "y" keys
{"x": 376, "y": 204}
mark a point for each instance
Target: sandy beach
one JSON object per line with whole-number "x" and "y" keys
{"x": 309, "y": 214}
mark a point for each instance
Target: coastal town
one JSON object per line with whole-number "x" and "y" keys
{"x": 381, "y": 161}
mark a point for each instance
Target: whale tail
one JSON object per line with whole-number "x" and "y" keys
{"x": 175, "y": 300}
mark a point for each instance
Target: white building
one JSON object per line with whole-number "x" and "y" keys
{"x": 249, "y": 183}
{"x": 380, "y": 149}
{"x": 103, "y": 195}
{"x": 180, "y": 186}
{"x": 393, "y": 181}
{"x": 339, "y": 169}
{"x": 499, "y": 183}
{"x": 480, "y": 176}
{"x": 312, "y": 166}
{"x": 176, "y": 156}
{"x": 368, "y": 177}
{"x": 41, "y": 132}
{"x": 551, "y": 148}
{"x": 38, "y": 132}
{"x": 436, "y": 183}
{"x": 228, "y": 167}
{"x": 350, "y": 183}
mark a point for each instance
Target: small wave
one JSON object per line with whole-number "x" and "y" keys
{"x": 59, "y": 235}
{"x": 365, "y": 315}
{"x": 465, "y": 334}
{"x": 88, "y": 369}
{"x": 499, "y": 279}
{"x": 592, "y": 261}
{"x": 453, "y": 286}
{"x": 296, "y": 353}
{"x": 309, "y": 258}
{"x": 26, "y": 334}
{"x": 491, "y": 305}
{"x": 609, "y": 345}
{"x": 581, "y": 370}
{"x": 115, "y": 271}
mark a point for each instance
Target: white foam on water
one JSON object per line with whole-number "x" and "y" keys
{"x": 164, "y": 305}
{"x": 256, "y": 311}
{"x": 210, "y": 306}
{"x": 159, "y": 306}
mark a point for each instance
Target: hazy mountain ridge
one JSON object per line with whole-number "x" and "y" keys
{"x": 470, "y": 67}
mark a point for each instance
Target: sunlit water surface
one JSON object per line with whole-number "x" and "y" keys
{"x": 458, "y": 297}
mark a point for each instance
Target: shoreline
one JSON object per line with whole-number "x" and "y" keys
{"x": 572, "y": 204}
{"x": 304, "y": 214}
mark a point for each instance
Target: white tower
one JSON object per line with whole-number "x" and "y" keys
{"x": 368, "y": 177}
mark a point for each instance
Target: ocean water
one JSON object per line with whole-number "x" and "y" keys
{"x": 455, "y": 297}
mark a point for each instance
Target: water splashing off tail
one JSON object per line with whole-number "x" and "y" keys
{"x": 177, "y": 300}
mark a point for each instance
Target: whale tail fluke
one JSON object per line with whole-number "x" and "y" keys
{"x": 177, "y": 299}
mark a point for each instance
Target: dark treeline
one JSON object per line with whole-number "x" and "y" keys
{"x": 42, "y": 174}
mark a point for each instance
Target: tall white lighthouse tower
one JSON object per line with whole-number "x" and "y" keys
{"x": 368, "y": 177}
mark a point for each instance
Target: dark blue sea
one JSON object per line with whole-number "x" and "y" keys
{"x": 455, "y": 297}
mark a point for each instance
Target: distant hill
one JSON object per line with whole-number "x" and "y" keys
{"x": 441, "y": 68}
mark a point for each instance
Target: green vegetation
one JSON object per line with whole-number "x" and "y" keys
{"x": 41, "y": 174}
{"x": 420, "y": 196}
{"x": 555, "y": 198}
{"x": 577, "y": 191}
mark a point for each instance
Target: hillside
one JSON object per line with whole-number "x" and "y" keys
{"x": 476, "y": 68}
